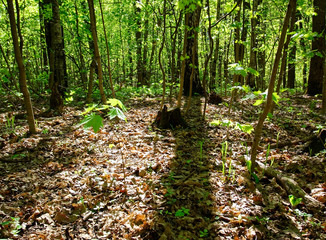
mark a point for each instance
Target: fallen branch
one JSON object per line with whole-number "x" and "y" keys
{"x": 292, "y": 187}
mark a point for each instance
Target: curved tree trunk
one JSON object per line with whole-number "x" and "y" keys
{"x": 268, "y": 104}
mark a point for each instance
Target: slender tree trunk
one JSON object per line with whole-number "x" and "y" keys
{"x": 44, "y": 61}
{"x": 212, "y": 83}
{"x": 82, "y": 68}
{"x": 268, "y": 104}
{"x": 316, "y": 73}
{"x": 282, "y": 75}
{"x": 96, "y": 49}
{"x": 183, "y": 64}
{"x": 21, "y": 68}
{"x": 20, "y": 35}
{"x": 90, "y": 81}
{"x": 138, "y": 36}
{"x": 160, "y": 54}
{"x": 107, "y": 51}
{"x": 251, "y": 81}
{"x": 291, "y": 67}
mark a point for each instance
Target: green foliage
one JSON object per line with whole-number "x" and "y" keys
{"x": 14, "y": 225}
{"x": 238, "y": 69}
{"x": 246, "y": 128}
{"x": 294, "y": 200}
{"x": 116, "y": 110}
{"x": 182, "y": 212}
{"x": 94, "y": 121}
{"x": 204, "y": 233}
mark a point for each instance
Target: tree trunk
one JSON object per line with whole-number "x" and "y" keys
{"x": 291, "y": 67}
{"x": 96, "y": 49}
{"x": 268, "y": 104}
{"x": 212, "y": 83}
{"x": 21, "y": 67}
{"x": 138, "y": 36}
{"x": 194, "y": 18}
{"x": 316, "y": 73}
{"x": 251, "y": 81}
{"x": 107, "y": 52}
{"x": 57, "y": 58}
{"x": 82, "y": 66}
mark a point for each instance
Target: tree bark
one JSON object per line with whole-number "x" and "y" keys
{"x": 316, "y": 73}
{"x": 96, "y": 49}
{"x": 82, "y": 66}
{"x": 21, "y": 67}
{"x": 58, "y": 58}
{"x": 194, "y": 18}
{"x": 268, "y": 104}
{"x": 107, "y": 52}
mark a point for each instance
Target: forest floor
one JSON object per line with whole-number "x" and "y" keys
{"x": 134, "y": 181}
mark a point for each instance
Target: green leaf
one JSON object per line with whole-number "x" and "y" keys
{"x": 253, "y": 71}
{"x": 249, "y": 163}
{"x": 215, "y": 123}
{"x": 89, "y": 109}
{"x": 258, "y": 102}
{"x": 114, "y": 102}
{"x": 179, "y": 213}
{"x": 247, "y": 128}
{"x": 94, "y": 121}
{"x": 116, "y": 112}
{"x": 256, "y": 178}
{"x": 294, "y": 200}
{"x": 276, "y": 98}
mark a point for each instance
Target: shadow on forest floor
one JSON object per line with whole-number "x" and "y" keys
{"x": 186, "y": 212}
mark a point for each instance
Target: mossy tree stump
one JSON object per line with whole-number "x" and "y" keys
{"x": 169, "y": 118}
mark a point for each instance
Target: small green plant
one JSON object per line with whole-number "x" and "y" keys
{"x": 223, "y": 153}
{"x": 182, "y": 212}
{"x": 10, "y": 124}
{"x": 294, "y": 200}
{"x": 91, "y": 119}
{"x": 252, "y": 174}
{"x": 203, "y": 233}
{"x": 45, "y": 131}
{"x": 14, "y": 225}
{"x": 312, "y": 105}
{"x": 302, "y": 214}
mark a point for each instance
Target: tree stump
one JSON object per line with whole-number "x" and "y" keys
{"x": 215, "y": 99}
{"x": 317, "y": 143}
{"x": 169, "y": 118}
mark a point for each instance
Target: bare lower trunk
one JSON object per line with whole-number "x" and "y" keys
{"x": 21, "y": 67}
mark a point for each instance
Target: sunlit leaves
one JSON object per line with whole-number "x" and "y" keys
{"x": 247, "y": 128}
{"x": 94, "y": 121}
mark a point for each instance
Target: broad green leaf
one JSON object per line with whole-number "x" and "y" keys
{"x": 116, "y": 112}
{"x": 94, "y": 121}
{"x": 114, "y": 102}
{"x": 247, "y": 128}
{"x": 253, "y": 71}
{"x": 294, "y": 200}
{"x": 276, "y": 98}
{"x": 89, "y": 109}
{"x": 215, "y": 122}
{"x": 258, "y": 102}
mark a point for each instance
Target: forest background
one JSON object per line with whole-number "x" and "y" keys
{"x": 59, "y": 56}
